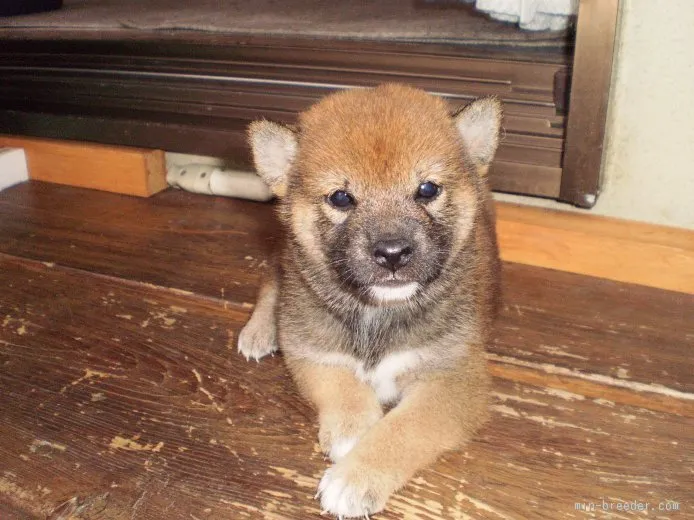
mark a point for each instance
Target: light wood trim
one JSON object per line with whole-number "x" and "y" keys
{"x": 620, "y": 250}
{"x": 130, "y": 171}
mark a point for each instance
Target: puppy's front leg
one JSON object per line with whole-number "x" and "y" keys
{"x": 259, "y": 336}
{"x": 346, "y": 407}
{"x": 435, "y": 415}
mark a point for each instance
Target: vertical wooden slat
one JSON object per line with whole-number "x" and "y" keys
{"x": 592, "y": 72}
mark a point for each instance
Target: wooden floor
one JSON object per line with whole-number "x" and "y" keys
{"x": 122, "y": 395}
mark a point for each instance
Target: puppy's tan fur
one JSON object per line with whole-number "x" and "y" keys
{"x": 392, "y": 360}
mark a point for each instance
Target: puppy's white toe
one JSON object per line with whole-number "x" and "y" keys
{"x": 256, "y": 341}
{"x": 342, "y": 447}
{"x": 344, "y": 498}
{"x": 335, "y": 496}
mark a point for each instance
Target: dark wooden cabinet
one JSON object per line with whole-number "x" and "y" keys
{"x": 195, "y": 92}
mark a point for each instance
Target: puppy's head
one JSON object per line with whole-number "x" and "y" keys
{"x": 380, "y": 186}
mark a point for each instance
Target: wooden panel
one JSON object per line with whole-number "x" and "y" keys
{"x": 198, "y": 44}
{"x": 307, "y": 61}
{"x": 590, "y": 88}
{"x": 223, "y": 99}
{"x": 126, "y": 401}
{"x": 230, "y": 141}
{"x": 130, "y": 171}
{"x": 197, "y": 97}
{"x": 513, "y": 177}
{"x": 206, "y": 138}
{"x": 625, "y": 251}
{"x": 217, "y": 248}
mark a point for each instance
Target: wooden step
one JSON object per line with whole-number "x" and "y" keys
{"x": 604, "y": 336}
{"x": 124, "y": 400}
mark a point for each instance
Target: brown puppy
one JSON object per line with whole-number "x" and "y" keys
{"x": 388, "y": 282}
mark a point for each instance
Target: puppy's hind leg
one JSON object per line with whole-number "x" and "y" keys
{"x": 258, "y": 337}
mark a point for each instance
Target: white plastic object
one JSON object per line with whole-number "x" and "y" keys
{"x": 13, "y": 167}
{"x": 211, "y": 180}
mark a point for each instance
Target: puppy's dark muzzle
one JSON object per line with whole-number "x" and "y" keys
{"x": 392, "y": 254}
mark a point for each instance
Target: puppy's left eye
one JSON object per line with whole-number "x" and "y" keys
{"x": 340, "y": 199}
{"x": 428, "y": 191}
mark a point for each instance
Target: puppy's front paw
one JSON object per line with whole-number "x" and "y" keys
{"x": 341, "y": 447}
{"x": 349, "y": 490}
{"x": 257, "y": 339}
{"x": 340, "y": 432}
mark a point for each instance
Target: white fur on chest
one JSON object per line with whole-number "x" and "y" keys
{"x": 383, "y": 378}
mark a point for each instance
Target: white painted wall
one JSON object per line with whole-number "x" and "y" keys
{"x": 649, "y": 156}
{"x": 13, "y": 167}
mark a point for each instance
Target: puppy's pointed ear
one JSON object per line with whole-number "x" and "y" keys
{"x": 479, "y": 124}
{"x": 274, "y": 150}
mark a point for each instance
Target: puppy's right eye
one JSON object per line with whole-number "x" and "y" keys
{"x": 428, "y": 191}
{"x": 341, "y": 199}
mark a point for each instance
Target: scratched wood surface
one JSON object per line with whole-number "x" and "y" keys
{"x": 127, "y": 401}
{"x": 122, "y": 396}
{"x": 209, "y": 245}
{"x": 218, "y": 247}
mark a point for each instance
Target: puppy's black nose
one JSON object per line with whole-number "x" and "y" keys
{"x": 392, "y": 254}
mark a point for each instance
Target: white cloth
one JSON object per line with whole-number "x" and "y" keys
{"x": 531, "y": 15}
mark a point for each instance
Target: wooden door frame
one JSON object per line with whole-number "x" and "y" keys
{"x": 590, "y": 89}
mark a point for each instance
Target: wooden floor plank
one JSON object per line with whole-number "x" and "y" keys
{"x": 10, "y": 512}
{"x": 207, "y": 245}
{"x": 124, "y": 400}
{"x": 621, "y": 331}
{"x": 218, "y": 247}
